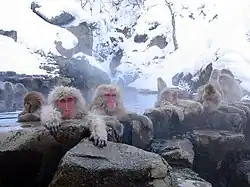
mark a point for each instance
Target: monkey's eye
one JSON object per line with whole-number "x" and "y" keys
{"x": 70, "y": 99}
{"x": 113, "y": 95}
{"x": 63, "y": 101}
{"x": 107, "y": 95}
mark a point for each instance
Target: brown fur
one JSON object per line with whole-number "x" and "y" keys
{"x": 211, "y": 98}
{"x": 97, "y": 105}
{"x": 33, "y": 102}
{"x": 168, "y": 97}
{"x": 51, "y": 117}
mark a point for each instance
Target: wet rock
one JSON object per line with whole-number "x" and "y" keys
{"x": 177, "y": 152}
{"x": 159, "y": 41}
{"x": 242, "y": 177}
{"x": 216, "y": 155}
{"x": 11, "y": 33}
{"x": 62, "y": 18}
{"x": 142, "y": 38}
{"x": 184, "y": 177}
{"x": 115, "y": 165}
{"x": 44, "y": 150}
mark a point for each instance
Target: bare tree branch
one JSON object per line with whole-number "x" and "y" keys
{"x": 169, "y": 4}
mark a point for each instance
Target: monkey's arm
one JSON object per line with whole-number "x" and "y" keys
{"x": 97, "y": 127}
{"x": 28, "y": 117}
{"x": 130, "y": 116}
{"x": 51, "y": 118}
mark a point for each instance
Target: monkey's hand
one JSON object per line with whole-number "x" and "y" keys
{"x": 99, "y": 134}
{"x": 51, "y": 119}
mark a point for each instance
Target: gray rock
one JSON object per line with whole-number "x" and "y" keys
{"x": 177, "y": 152}
{"x": 34, "y": 149}
{"x": 63, "y": 18}
{"x": 11, "y": 33}
{"x": 185, "y": 177}
{"x": 243, "y": 173}
{"x": 115, "y": 165}
{"x": 142, "y": 38}
{"x": 159, "y": 41}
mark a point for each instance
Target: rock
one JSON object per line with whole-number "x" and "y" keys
{"x": 84, "y": 72}
{"x": 115, "y": 165}
{"x": 159, "y": 41}
{"x": 217, "y": 154}
{"x": 11, "y": 33}
{"x": 177, "y": 152}
{"x": 63, "y": 18}
{"x": 84, "y": 35}
{"x": 36, "y": 150}
{"x": 242, "y": 177}
{"x": 142, "y": 38}
{"x": 184, "y": 177}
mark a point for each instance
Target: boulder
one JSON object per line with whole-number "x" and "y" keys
{"x": 36, "y": 151}
{"x": 217, "y": 154}
{"x": 184, "y": 177}
{"x": 62, "y": 18}
{"x": 9, "y": 33}
{"x": 242, "y": 177}
{"x": 115, "y": 165}
{"x": 177, "y": 152}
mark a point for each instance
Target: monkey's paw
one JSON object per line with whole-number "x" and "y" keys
{"x": 53, "y": 126}
{"x": 98, "y": 141}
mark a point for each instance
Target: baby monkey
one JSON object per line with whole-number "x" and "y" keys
{"x": 33, "y": 101}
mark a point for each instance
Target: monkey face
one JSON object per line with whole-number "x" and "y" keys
{"x": 66, "y": 106}
{"x": 27, "y": 106}
{"x": 109, "y": 99}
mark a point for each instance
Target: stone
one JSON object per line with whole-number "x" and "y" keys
{"x": 115, "y": 165}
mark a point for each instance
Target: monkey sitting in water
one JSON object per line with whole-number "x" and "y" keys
{"x": 107, "y": 102}
{"x": 33, "y": 101}
{"x": 169, "y": 97}
{"x": 8, "y": 95}
{"x": 68, "y": 103}
{"x": 19, "y": 93}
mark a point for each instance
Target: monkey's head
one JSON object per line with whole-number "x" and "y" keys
{"x": 19, "y": 87}
{"x": 109, "y": 96}
{"x": 8, "y": 86}
{"x": 169, "y": 96}
{"x": 33, "y": 101}
{"x": 215, "y": 74}
{"x": 209, "y": 89}
{"x": 68, "y": 100}
{"x": 228, "y": 72}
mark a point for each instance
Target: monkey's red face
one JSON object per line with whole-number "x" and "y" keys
{"x": 66, "y": 106}
{"x": 110, "y": 98}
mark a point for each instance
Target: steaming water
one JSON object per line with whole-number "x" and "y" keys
{"x": 133, "y": 101}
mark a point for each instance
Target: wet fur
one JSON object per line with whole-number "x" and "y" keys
{"x": 33, "y": 102}
{"x": 51, "y": 117}
{"x": 97, "y": 105}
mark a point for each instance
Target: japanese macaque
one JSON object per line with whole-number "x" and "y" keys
{"x": 33, "y": 102}
{"x": 231, "y": 89}
{"x": 169, "y": 97}
{"x": 214, "y": 80}
{"x": 8, "y": 94}
{"x": 19, "y": 93}
{"x": 107, "y": 102}
{"x": 68, "y": 103}
{"x": 211, "y": 98}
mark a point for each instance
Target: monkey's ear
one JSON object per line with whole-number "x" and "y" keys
{"x": 161, "y": 84}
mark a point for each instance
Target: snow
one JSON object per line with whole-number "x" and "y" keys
{"x": 205, "y": 30}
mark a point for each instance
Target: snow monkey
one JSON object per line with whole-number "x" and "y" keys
{"x": 68, "y": 103}
{"x": 232, "y": 90}
{"x": 169, "y": 97}
{"x": 33, "y": 102}
{"x": 211, "y": 98}
{"x": 214, "y": 80}
{"x": 107, "y": 101}
{"x": 8, "y": 94}
{"x": 19, "y": 93}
